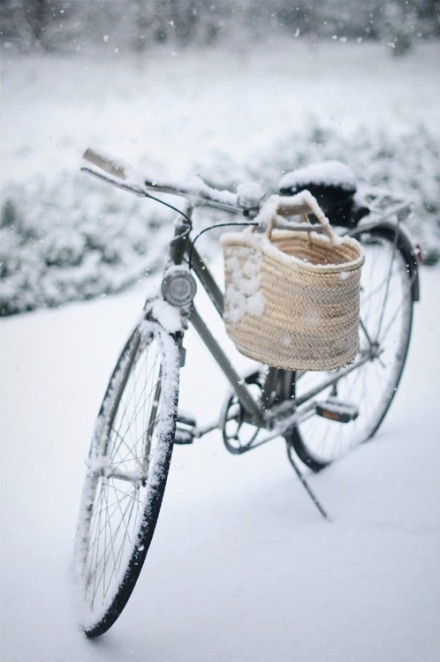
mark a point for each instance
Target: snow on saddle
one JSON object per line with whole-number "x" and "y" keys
{"x": 333, "y": 184}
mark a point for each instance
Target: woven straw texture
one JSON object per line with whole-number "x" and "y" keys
{"x": 292, "y": 299}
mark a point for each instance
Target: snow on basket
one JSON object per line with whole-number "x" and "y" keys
{"x": 292, "y": 297}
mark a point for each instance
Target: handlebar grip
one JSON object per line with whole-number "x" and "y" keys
{"x": 106, "y": 162}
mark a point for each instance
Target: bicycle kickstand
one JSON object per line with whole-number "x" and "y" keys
{"x": 309, "y": 490}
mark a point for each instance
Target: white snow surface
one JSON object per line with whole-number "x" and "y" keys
{"x": 242, "y": 293}
{"x": 332, "y": 173}
{"x": 242, "y": 567}
{"x": 167, "y": 315}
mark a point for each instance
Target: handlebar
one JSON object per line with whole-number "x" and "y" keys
{"x": 248, "y": 201}
{"x": 120, "y": 174}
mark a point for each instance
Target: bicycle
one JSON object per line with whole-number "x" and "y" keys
{"x": 320, "y": 415}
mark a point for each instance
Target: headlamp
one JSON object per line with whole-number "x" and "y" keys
{"x": 178, "y": 286}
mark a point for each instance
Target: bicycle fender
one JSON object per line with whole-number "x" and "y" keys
{"x": 404, "y": 242}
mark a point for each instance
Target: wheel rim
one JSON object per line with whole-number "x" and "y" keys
{"x": 386, "y": 316}
{"x": 122, "y": 471}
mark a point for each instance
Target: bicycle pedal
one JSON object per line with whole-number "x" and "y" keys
{"x": 334, "y": 410}
{"x": 186, "y": 419}
{"x": 185, "y": 429}
{"x": 183, "y": 437}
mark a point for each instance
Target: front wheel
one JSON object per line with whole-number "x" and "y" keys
{"x": 386, "y": 309}
{"x": 126, "y": 475}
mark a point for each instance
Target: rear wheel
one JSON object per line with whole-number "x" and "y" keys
{"x": 386, "y": 318}
{"x": 127, "y": 470}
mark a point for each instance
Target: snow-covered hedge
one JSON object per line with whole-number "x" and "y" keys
{"x": 72, "y": 238}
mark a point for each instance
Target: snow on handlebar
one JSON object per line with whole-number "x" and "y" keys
{"x": 250, "y": 199}
{"x": 108, "y": 163}
{"x": 115, "y": 171}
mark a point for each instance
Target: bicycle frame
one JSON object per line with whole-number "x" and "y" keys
{"x": 277, "y": 419}
{"x": 278, "y": 409}
{"x": 179, "y": 248}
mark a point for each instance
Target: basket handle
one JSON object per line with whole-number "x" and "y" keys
{"x": 301, "y": 204}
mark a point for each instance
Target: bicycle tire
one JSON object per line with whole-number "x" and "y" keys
{"x": 127, "y": 470}
{"x": 386, "y": 312}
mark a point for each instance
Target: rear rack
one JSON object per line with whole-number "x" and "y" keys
{"x": 382, "y": 204}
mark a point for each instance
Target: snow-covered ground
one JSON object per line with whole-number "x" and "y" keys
{"x": 178, "y": 110}
{"x": 242, "y": 567}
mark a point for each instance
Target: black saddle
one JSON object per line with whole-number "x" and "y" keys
{"x": 333, "y": 184}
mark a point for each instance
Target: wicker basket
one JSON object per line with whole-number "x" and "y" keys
{"x": 292, "y": 297}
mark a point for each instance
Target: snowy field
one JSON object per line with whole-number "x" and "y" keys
{"x": 179, "y": 111}
{"x": 242, "y": 568}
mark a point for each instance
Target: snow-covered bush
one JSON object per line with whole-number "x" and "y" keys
{"x": 72, "y": 238}
{"x": 69, "y": 239}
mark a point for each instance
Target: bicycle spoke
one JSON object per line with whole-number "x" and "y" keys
{"x": 386, "y": 314}
{"x": 120, "y": 500}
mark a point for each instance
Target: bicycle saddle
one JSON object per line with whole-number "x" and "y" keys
{"x": 333, "y": 184}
